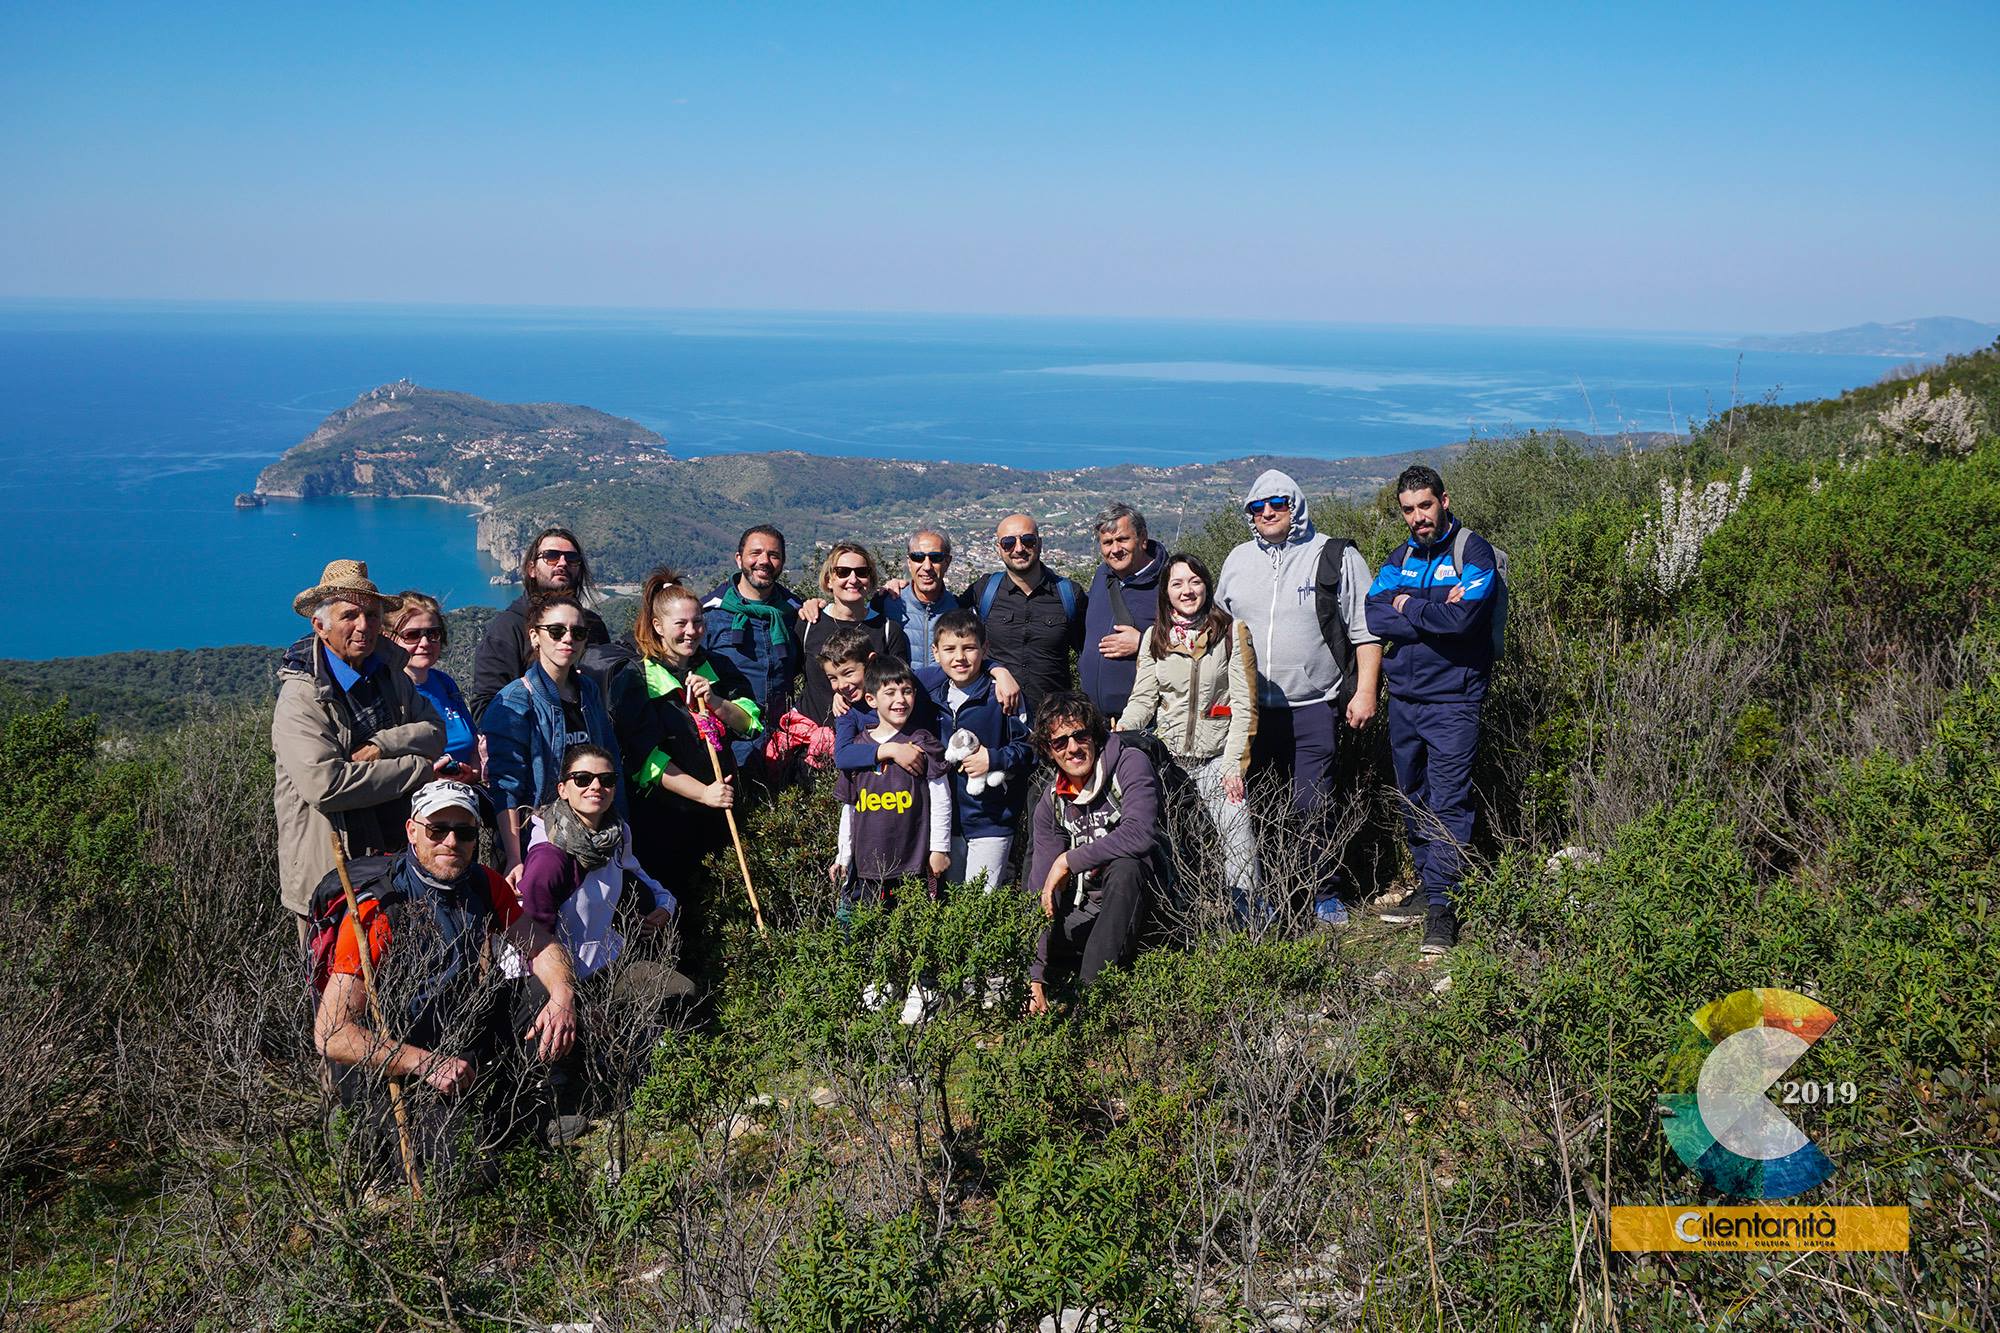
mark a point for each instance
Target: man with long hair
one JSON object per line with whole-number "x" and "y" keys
{"x": 553, "y": 562}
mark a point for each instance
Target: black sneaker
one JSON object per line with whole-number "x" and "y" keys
{"x": 1440, "y": 931}
{"x": 1401, "y": 910}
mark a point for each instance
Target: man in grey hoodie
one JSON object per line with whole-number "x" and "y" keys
{"x": 1318, "y": 668}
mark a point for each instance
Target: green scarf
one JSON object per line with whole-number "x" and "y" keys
{"x": 744, "y": 611}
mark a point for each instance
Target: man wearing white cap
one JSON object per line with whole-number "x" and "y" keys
{"x": 434, "y": 918}
{"x": 351, "y": 735}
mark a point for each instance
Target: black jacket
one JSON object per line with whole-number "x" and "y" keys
{"x": 1031, "y": 635}
{"x": 502, "y": 655}
{"x": 1108, "y": 680}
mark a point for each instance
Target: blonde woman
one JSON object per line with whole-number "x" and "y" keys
{"x": 850, "y": 579}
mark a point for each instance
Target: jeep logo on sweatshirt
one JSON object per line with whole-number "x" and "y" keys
{"x": 897, "y": 801}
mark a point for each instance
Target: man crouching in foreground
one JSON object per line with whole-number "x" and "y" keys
{"x": 462, "y": 1032}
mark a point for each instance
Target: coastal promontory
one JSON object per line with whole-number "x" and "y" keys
{"x": 403, "y": 439}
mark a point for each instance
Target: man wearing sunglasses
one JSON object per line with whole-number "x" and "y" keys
{"x": 1034, "y": 616}
{"x": 435, "y": 921}
{"x": 1304, "y": 596}
{"x": 919, "y": 603}
{"x": 553, "y": 562}
{"x": 1094, "y": 858}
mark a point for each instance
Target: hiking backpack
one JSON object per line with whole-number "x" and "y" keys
{"x": 1332, "y": 617}
{"x": 372, "y": 884}
{"x": 1499, "y": 594}
{"x": 989, "y": 589}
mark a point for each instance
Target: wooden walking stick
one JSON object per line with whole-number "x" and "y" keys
{"x": 729, "y": 813}
{"x": 375, "y": 1011}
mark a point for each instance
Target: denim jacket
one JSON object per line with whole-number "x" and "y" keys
{"x": 524, "y": 733}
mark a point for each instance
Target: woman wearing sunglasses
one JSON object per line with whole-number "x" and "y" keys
{"x": 1095, "y": 856}
{"x": 532, "y": 723}
{"x": 579, "y": 855}
{"x": 416, "y": 622}
{"x": 849, "y": 579}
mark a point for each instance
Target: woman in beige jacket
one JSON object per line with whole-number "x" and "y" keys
{"x": 1196, "y": 688}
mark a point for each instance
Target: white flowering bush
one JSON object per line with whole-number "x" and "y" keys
{"x": 1668, "y": 544}
{"x": 1917, "y": 423}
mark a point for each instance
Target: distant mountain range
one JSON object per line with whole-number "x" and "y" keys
{"x": 1940, "y": 335}
{"x": 635, "y": 505}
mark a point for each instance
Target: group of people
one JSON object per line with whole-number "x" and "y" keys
{"x": 601, "y": 766}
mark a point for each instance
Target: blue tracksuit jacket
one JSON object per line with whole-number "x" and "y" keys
{"x": 1435, "y": 650}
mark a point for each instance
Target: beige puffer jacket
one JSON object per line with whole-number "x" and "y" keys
{"x": 1182, "y": 689}
{"x": 312, "y": 739}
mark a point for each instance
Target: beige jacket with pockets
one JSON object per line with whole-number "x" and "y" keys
{"x": 317, "y": 782}
{"x": 1180, "y": 689}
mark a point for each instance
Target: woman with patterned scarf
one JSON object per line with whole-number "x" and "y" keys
{"x": 1196, "y": 687}
{"x": 579, "y": 854}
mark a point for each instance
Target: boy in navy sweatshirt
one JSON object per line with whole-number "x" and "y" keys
{"x": 958, "y": 694}
{"x": 894, "y": 823}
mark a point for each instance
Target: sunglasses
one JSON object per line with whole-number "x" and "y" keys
{"x": 558, "y": 631}
{"x": 1069, "y": 739}
{"x": 1029, "y": 542}
{"x": 450, "y": 832}
{"x": 1279, "y": 503}
{"x": 577, "y": 777}
{"x": 561, "y": 557}
{"x": 432, "y": 633}
{"x": 928, "y": 557}
{"x": 851, "y": 572}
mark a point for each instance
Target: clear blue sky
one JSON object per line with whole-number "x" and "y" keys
{"x": 1715, "y": 167}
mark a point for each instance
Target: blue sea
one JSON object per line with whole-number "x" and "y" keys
{"x": 126, "y": 431}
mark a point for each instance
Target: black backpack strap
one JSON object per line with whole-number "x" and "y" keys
{"x": 1333, "y": 625}
{"x": 369, "y": 875}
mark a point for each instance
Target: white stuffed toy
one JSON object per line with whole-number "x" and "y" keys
{"x": 964, "y": 744}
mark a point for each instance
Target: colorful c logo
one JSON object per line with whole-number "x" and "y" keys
{"x": 1714, "y": 1109}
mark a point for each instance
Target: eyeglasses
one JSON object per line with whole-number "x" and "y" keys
{"x": 434, "y": 633}
{"x": 561, "y": 557}
{"x": 1069, "y": 739}
{"x": 1280, "y": 503}
{"x": 1029, "y": 542}
{"x": 558, "y": 631}
{"x": 851, "y": 572}
{"x": 928, "y": 557}
{"x": 578, "y": 777}
{"x": 450, "y": 832}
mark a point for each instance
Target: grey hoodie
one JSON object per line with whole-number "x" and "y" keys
{"x": 1272, "y": 590}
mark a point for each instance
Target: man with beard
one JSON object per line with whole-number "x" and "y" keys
{"x": 436, "y": 921}
{"x": 1434, "y": 601}
{"x": 751, "y": 621}
{"x": 1033, "y": 615}
{"x": 554, "y": 562}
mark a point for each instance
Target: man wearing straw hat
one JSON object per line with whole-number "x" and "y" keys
{"x": 351, "y": 735}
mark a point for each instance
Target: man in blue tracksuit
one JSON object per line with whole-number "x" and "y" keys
{"x": 1435, "y": 612}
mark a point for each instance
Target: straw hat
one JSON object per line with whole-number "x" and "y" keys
{"x": 343, "y": 580}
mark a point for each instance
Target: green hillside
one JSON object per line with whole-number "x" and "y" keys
{"x": 1746, "y": 734}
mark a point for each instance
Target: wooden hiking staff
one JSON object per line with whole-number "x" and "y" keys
{"x": 742, "y": 862}
{"x": 375, "y": 1011}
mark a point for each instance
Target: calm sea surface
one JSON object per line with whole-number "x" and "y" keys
{"x": 125, "y": 432}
